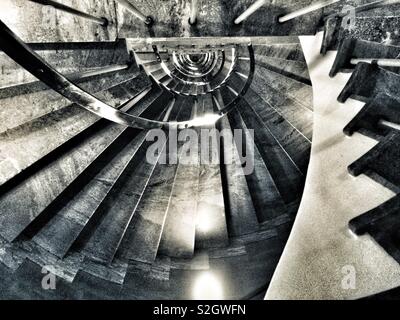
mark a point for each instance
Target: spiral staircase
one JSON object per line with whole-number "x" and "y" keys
{"x": 78, "y": 196}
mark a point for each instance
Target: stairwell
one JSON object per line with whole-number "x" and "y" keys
{"x": 82, "y": 92}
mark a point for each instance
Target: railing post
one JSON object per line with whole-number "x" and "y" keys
{"x": 59, "y": 6}
{"x": 305, "y": 10}
{"x": 131, "y": 8}
{"x": 253, "y": 8}
{"x": 194, "y": 9}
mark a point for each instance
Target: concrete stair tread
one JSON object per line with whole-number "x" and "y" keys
{"x": 118, "y": 208}
{"x": 143, "y": 235}
{"x": 266, "y": 197}
{"x": 286, "y": 175}
{"x": 43, "y": 135}
{"x": 294, "y": 112}
{"x": 66, "y": 58}
{"x": 178, "y": 236}
{"x": 382, "y": 160}
{"x": 239, "y": 208}
{"x": 23, "y": 105}
{"x": 294, "y": 89}
{"x": 297, "y": 70}
{"x": 64, "y": 169}
{"x": 295, "y": 143}
{"x": 292, "y": 51}
{"x": 59, "y": 234}
{"x": 211, "y": 229}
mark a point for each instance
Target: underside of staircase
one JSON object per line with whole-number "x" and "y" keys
{"x": 86, "y": 95}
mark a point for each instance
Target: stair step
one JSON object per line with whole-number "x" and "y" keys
{"x": 114, "y": 273}
{"x": 22, "y": 105}
{"x": 382, "y": 159}
{"x": 286, "y": 175}
{"x": 365, "y": 222}
{"x": 58, "y": 235}
{"x": 61, "y": 231}
{"x": 211, "y": 228}
{"x": 10, "y": 256}
{"x": 367, "y": 120}
{"x": 292, "y": 88}
{"x": 102, "y": 236}
{"x": 272, "y": 105}
{"x": 382, "y": 223}
{"x": 143, "y": 235}
{"x": 240, "y": 213}
{"x": 43, "y": 135}
{"x": 66, "y": 268}
{"x": 125, "y": 91}
{"x": 292, "y": 140}
{"x": 266, "y": 198}
{"x": 118, "y": 208}
{"x": 359, "y": 49}
{"x": 379, "y": 81}
{"x": 143, "y": 276}
{"x": 23, "y": 202}
{"x": 297, "y": 114}
{"x": 259, "y": 236}
{"x": 178, "y": 236}
{"x": 66, "y": 58}
{"x": 228, "y": 252}
{"x": 297, "y": 70}
{"x": 200, "y": 261}
{"x": 145, "y": 56}
{"x": 291, "y": 52}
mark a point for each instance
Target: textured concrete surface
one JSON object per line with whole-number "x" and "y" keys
{"x": 211, "y": 224}
{"x": 26, "y": 144}
{"x": 292, "y": 140}
{"x": 321, "y": 244}
{"x": 53, "y": 25}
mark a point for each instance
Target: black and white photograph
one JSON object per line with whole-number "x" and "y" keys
{"x": 199, "y": 150}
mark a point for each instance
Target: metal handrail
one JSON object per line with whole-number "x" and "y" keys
{"x": 62, "y": 7}
{"x": 75, "y": 76}
{"x": 194, "y": 9}
{"x": 17, "y": 50}
{"x": 395, "y": 63}
{"x": 131, "y": 8}
{"x": 312, "y": 7}
{"x": 253, "y": 8}
{"x": 388, "y": 124}
{"x": 260, "y": 3}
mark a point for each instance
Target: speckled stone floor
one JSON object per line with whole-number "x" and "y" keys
{"x": 321, "y": 248}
